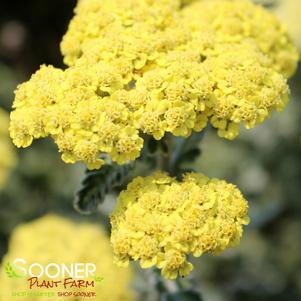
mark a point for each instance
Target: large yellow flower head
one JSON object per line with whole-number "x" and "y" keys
{"x": 54, "y": 239}
{"x": 7, "y": 153}
{"x": 160, "y": 221}
{"x": 146, "y": 66}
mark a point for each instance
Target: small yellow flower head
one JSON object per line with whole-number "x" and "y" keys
{"x": 146, "y": 66}
{"x": 74, "y": 107}
{"x": 160, "y": 221}
{"x": 247, "y": 92}
{"x": 7, "y": 154}
{"x": 54, "y": 239}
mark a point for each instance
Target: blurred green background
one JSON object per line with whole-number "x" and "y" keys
{"x": 265, "y": 163}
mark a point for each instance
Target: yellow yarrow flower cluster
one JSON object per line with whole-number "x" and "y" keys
{"x": 160, "y": 221}
{"x": 71, "y": 106}
{"x": 146, "y": 66}
{"x": 7, "y": 153}
{"x": 54, "y": 239}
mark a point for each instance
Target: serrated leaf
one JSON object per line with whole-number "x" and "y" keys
{"x": 149, "y": 151}
{"x": 190, "y": 155}
{"x": 185, "y": 150}
{"x": 97, "y": 184}
{"x": 152, "y": 145}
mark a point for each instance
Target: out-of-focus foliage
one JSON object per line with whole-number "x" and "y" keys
{"x": 265, "y": 164}
{"x": 40, "y": 182}
{"x": 7, "y": 151}
{"x": 54, "y": 239}
{"x": 288, "y": 12}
